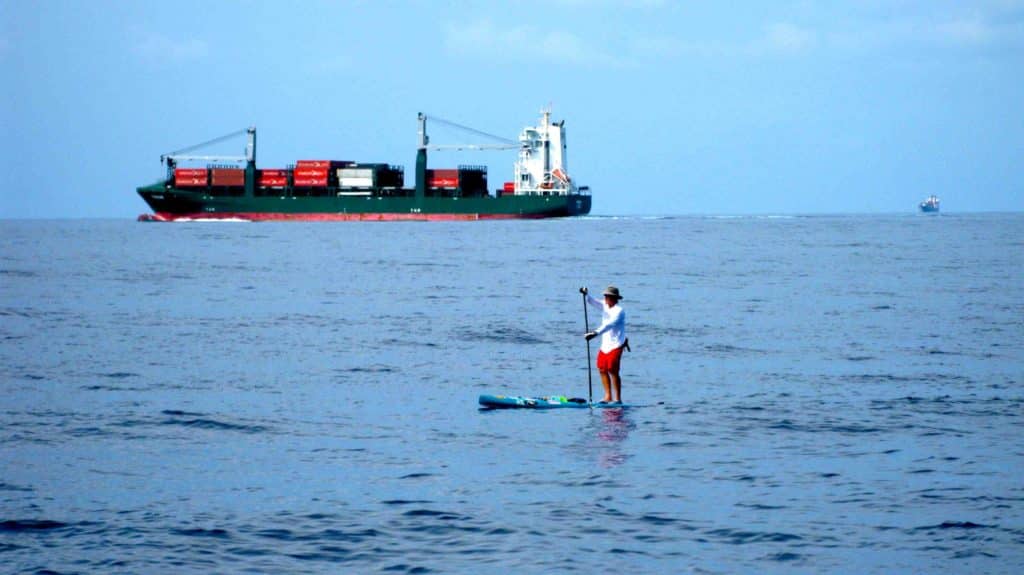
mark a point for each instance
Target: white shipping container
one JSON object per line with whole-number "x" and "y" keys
{"x": 356, "y": 182}
{"x": 355, "y": 173}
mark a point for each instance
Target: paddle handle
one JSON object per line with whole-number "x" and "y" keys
{"x": 590, "y": 376}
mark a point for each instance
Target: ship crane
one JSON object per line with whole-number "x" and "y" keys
{"x": 424, "y": 144}
{"x": 172, "y": 158}
{"x": 540, "y": 169}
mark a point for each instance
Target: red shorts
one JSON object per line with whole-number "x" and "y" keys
{"x": 609, "y": 361}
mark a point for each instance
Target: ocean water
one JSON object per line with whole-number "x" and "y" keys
{"x": 812, "y": 394}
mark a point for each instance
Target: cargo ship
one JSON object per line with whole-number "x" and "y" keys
{"x": 339, "y": 190}
{"x": 930, "y": 205}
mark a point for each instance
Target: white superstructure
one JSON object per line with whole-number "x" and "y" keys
{"x": 541, "y": 168}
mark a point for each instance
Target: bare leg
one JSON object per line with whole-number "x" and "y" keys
{"x": 616, "y": 387}
{"x": 607, "y": 386}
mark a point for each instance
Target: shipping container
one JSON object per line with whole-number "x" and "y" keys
{"x": 311, "y": 177}
{"x": 228, "y": 177}
{"x": 355, "y": 172}
{"x": 266, "y": 181}
{"x": 508, "y": 187}
{"x": 473, "y": 180}
{"x": 310, "y": 172}
{"x": 327, "y": 164}
{"x": 355, "y": 182}
{"x": 275, "y": 178}
{"x": 190, "y": 177}
{"x": 391, "y": 177}
{"x": 444, "y": 178}
{"x": 310, "y": 182}
{"x": 356, "y": 177}
{"x": 300, "y": 164}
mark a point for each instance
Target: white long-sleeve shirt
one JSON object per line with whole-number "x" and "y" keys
{"x": 613, "y": 324}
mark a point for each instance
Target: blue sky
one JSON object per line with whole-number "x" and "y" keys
{"x": 670, "y": 107}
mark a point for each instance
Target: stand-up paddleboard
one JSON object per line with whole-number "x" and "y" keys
{"x": 546, "y": 402}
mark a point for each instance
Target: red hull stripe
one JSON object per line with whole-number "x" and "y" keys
{"x": 330, "y": 217}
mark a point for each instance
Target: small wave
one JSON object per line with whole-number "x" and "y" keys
{"x": 675, "y": 444}
{"x": 657, "y": 519}
{"x": 784, "y": 557}
{"x": 120, "y": 375}
{"x": 368, "y": 369}
{"x": 446, "y": 515}
{"x": 201, "y": 421}
{"x": 739, "y": 537}
{"x": 416, "y": 476}
{"x": 760, "y": 506}
{"x": 789, "y": 425}
{"x": 22, "y": 525}
{"x": 404, "y": 501}
{"x": 403, "y": 568}
{"x": 9, "y": 487}
{"x": 621, "y": 551}
{"x": 18, "y": 273}
{"x": 954, "y": 525}
{"x": 200, "y": 532}
{"x": 503, "y": 334}
{"x": 179, "y": 413}
{"x": 213, "y": 424}
{"x": 278, "y": 534}
{"x": 875, "y": 378}
{"x": 726, "y": 349}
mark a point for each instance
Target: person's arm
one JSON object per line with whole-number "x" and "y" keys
{"x": 613, "y": 317}
{"x": 591, "y": 299}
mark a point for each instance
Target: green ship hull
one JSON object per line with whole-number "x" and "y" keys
{"x": 171, "y": 204}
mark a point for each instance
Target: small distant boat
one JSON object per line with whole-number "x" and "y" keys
{"x": 929, "y": 206}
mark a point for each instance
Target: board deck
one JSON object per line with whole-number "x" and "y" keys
{"x": 544, "y": 402}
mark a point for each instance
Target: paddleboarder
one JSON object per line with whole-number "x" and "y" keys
{"x": 613, "y": 340}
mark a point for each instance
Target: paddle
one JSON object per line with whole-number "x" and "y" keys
{"x": 590, "y": 377}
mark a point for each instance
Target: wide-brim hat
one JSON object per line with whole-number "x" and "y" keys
{"x": 612, "y": 291}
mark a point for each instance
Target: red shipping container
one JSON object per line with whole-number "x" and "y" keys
{"x": 272, "y": 178}
{"x": 508, "y": 187}
{"x": 311, "y": 182}
{"x": 312, "y": 164}
{"x": 322, "y": 163}
{"x": 228, "y": 177}
{"x": 442, "y": 178}
{"x": 272, "y": 182}
{"x": 190, "y": 177}
{"x": 311, "y": 177}
{"x": 307, "y": 172}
